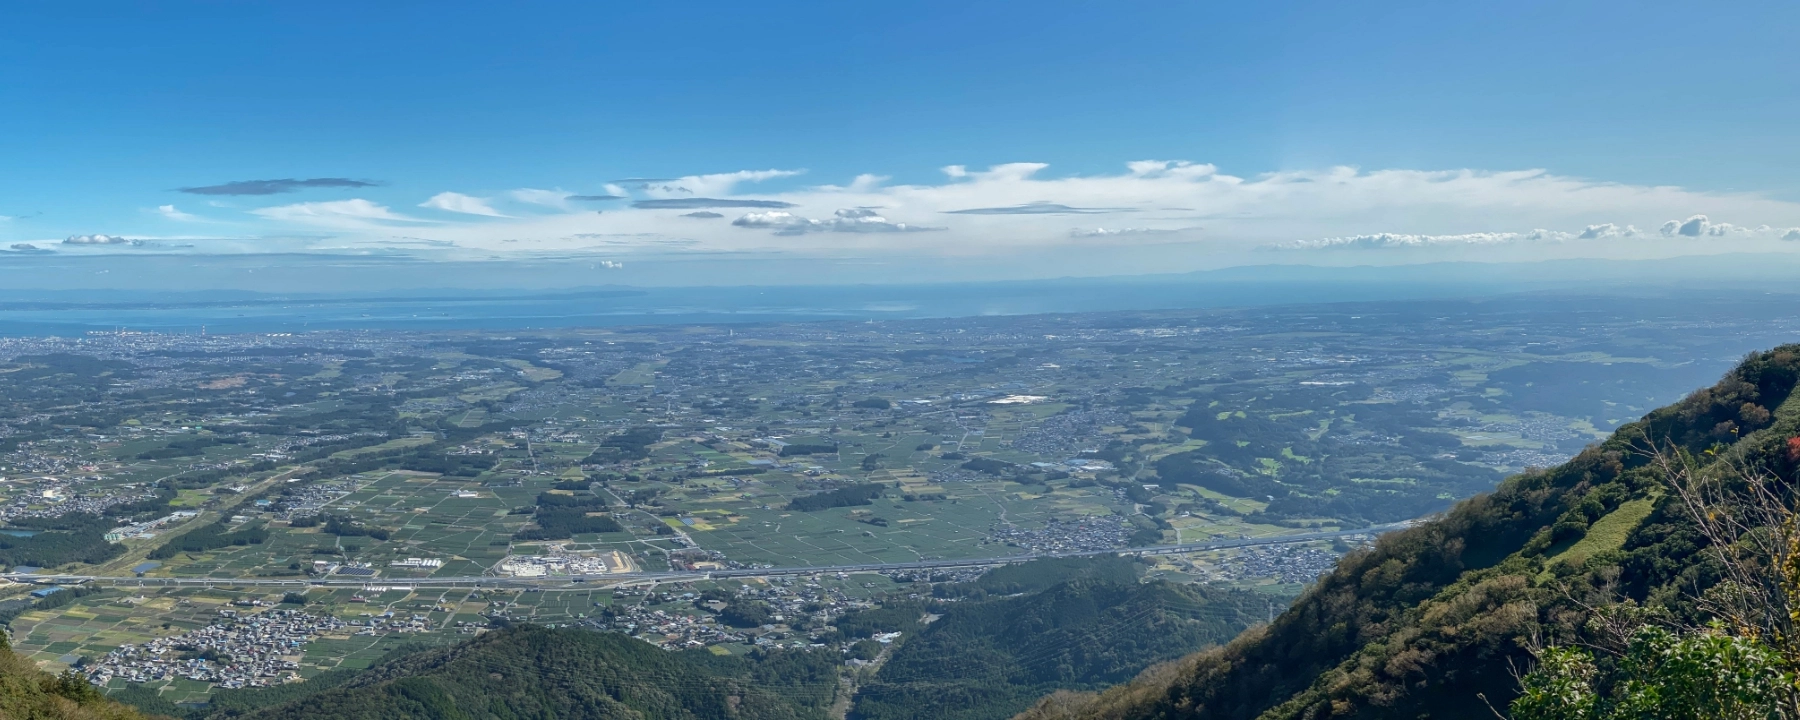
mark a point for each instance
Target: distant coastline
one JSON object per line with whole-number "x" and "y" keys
{"x": 37, "y": 312}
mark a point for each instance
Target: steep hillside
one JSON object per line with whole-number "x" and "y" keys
{"x": 27, "y": 692}
{"x": 992, "y": 658}
{"x": 1432, "y": 620}
{"x": 535, "y": 672}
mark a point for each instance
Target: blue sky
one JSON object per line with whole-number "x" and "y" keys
{"x": 1326, "y": 132}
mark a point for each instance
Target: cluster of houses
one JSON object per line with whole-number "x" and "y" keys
{"x": 234, "y": 652}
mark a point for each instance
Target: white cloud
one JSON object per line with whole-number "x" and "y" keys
{"x": 460, "y": 203}
{"x": 1607, "y": 230}
{"x": 1113, "y": 232}
{"x": 1791, "y": 234}
{"x": 1697, "y": 226}
{"x": 547, "y": 198}
{"x": 1396, "y": 240}
{"x": 169, "y": 211}
{"x": 95, "y": 240}
{"x": 1692, "y": 227}
{"x": 1011, "y": 207}
{"x": 1003, "y": 173}
{"x": 712, "y": 185}
{"x": 355, "y": 213}
{"x": 1702, "y": 226}
{"x": 1027, "y": 211}
{"x": 850, "y": 220}
{"x": 867, "y": 182}
{"x": 1171, "y": 168}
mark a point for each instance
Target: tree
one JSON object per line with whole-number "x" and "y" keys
{"x": 1743, "y": 665}
{"x": 1663, "y": 675}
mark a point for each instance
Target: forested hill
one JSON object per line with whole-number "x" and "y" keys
{"x": 575, "y": 674}
{"x": 27, "y": 692}
{"x": 1432, "y": 620}
{"x": 992, "y": 658}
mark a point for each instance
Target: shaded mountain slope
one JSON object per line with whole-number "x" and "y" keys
{"x": 992, "y": 658}
{"x": 27, "y": 692}
{"x": 536, "y": 672}
{"x": 1432, "y": 620}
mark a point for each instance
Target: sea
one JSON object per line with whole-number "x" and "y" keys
{"x": 68, "y": 312}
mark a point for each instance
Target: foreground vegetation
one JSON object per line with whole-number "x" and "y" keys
{"x": 27, "y": 692}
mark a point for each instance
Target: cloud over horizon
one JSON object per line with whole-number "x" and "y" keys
{"x": 1035, "y": 208}
{"x": 847, "y": 220}
{"x": 95, "y": 240}
{"x": 1173, "y": 213}
{"x": 703, "y": 202}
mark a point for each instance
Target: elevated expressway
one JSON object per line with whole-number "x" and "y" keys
{"x": 581, "y": 582}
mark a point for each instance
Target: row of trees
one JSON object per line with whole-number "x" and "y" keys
{"x": 852, "y": 495}
{"x": 211, "y": 537}
{"x": 559, "y": 516}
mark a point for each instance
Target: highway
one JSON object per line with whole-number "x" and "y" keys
{"x": 580, "y": 582}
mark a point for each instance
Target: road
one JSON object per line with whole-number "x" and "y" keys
{"x": 580, "y": 582}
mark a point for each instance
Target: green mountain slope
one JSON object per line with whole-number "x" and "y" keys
{"x": 27, "y": 692}
{"x": 991, "y": 659}
{"x": 1434, "y": 619}
{"x": 536, "y": 672}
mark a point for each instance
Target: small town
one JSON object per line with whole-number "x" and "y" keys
{"x": 248, "y": 650}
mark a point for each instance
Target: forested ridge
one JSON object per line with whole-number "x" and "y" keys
{"x": 537, "y": 672}
{"x": 27, "y": 692}
{"x": 992, "y": 658}
{"x": 1434, "y": 622}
